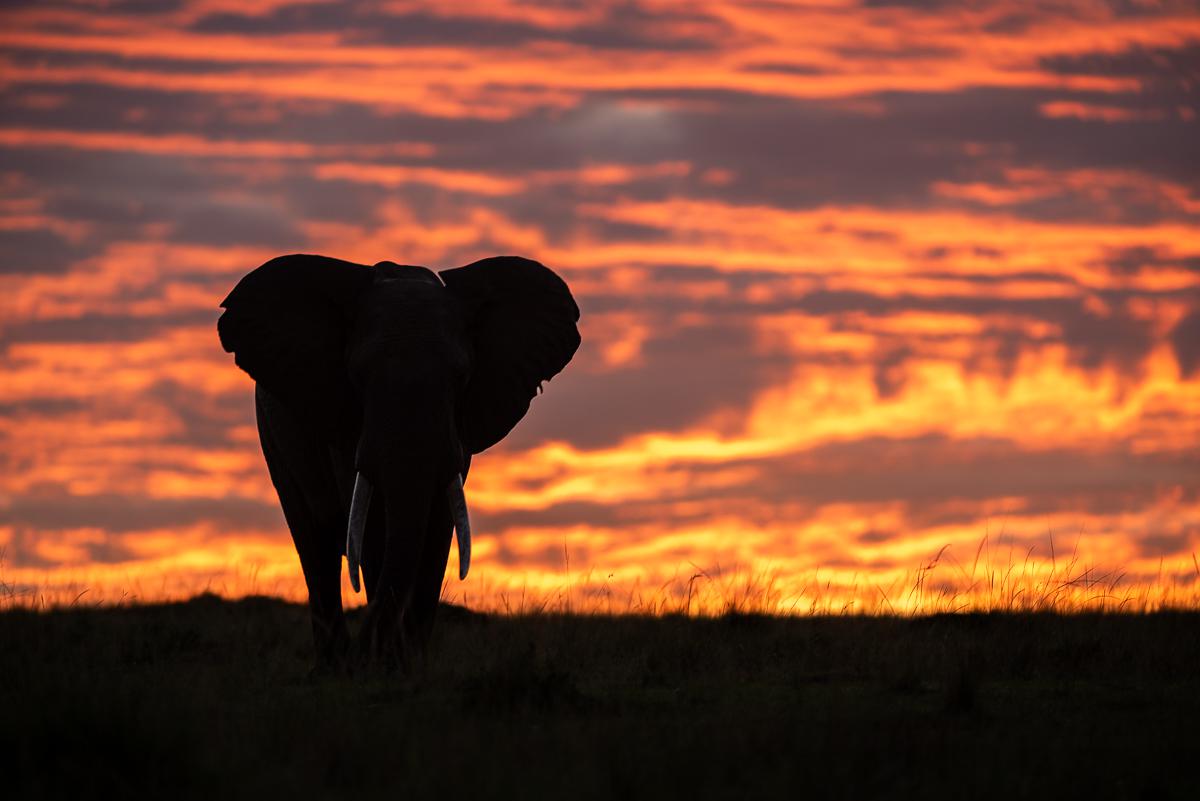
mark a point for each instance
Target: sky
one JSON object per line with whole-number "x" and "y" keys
{"x": 865, "y": 286}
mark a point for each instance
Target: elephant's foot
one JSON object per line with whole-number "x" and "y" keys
{"x": 386, "y": 643}
{"x": 332, "y": 641}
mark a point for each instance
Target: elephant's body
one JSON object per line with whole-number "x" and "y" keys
{"x": 314, "y": 477}
{"x": 386, "y": 377}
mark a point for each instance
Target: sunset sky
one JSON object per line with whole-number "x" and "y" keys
{"x": 858, "y": 280}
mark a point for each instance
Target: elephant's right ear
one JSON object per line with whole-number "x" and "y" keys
{"x": 286, "y": 324}
{"x": 522, "y": 321}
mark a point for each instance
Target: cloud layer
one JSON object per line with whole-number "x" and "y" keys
{"x": 858, "y": 280}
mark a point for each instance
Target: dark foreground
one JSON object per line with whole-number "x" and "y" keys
{"x": 213, "y": 699}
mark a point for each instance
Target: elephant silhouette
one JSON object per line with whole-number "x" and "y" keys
{"x": 374, "y": 387}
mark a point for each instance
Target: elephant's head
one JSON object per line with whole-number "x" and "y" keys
{"x": 412, "y": 371}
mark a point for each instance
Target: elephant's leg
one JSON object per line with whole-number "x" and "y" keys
{"x": 427, "y": 591}
{"x": 391, "y": 633}
{"x": 303, "y": 474}
{"x": 432, "y": 573}
{"x": 404, "y": 593}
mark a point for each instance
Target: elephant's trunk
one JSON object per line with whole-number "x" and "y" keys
{"x": 462, "y": 523}
{"x": 360, "y": 502}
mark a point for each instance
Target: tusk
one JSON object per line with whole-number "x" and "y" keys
{"x": 359, "y": 504}
{"x": 462, "y": 523}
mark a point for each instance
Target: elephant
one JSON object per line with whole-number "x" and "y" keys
{"x": 374, "y": 387}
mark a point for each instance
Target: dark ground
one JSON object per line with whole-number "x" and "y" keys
{"x": 213, "y": 699}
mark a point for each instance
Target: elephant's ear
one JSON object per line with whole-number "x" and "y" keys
{"x": 521, "y": 318}
{"x": 286, "y": 324}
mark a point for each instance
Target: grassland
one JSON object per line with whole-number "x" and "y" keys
{"x": 214, "y": 699}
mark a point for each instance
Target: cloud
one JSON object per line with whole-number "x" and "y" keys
{"x": 1185, "y": 339}
{"x": 672, "y": 385}
{"x": 618, "y": 26}
{"x": 846, "y": 299}
{"x": 35, "y": 251}
{"x": 120, "y": 514}
{"x": 101, "y": 327}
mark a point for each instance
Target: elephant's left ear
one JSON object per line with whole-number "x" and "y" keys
{"x": 521, "y": 318}
{"x": 286, "y": 323}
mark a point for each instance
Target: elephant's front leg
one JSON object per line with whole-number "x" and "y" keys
{"x": 394, "y": 631}
{"x": 427, "y": 591}
{"x": 322, "y": 574}
{"x": 303, "y": 475}
{"x": 401, "y": 614}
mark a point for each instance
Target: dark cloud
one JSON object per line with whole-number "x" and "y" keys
{"x": 1165, "y": 544}
{"x": 140, "y": 186}
{"x": 35, "y": 250}
{"x": 1005, "y": 121}
{"x": 1185, "y": 339}
{"x": 876, "y": 536}
{"x": 886, "y": 151}
{"x": 23, "y": 550}
{"x": 1140, "y": 259}
{"x": 1130, "y": 204}
{"x": 238, "y": 223}
{"x": 784, "y": 152}
{"x": 890, "y": 371}
{"x": 103, "y": 327}
{"x": 110, "y": 6}
{"x": 49, "y": 406}
{"x": 683, "y": 375}
{"x": 1175, "y": 66}
{"x": 36, "y": 520}
{"x": 910, "y": 52}
{"x": 205, "y": 421}
{"x": 117, "y": 195}
{"x": 1012, "y": 22}
{"x": 1095, "y": 338}
{"x": 363, "y": 22}
{"x": 82, "y": 106}
{"x": 625, "y": 26}
{"x": 28, "y": 55}
{"x": 344, "y": 201}
{"x": 118, "y": 514}
{"x": 936, "y": 469}
{"x": 804, "y": 154}
{"x": 1050, "y": 9}
{"x": 940, "y": 482}
{"x": 786, "y": 68}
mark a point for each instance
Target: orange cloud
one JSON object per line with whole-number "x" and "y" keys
{"x": 848, "y": 299}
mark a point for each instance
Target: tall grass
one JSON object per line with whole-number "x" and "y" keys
{"x": 942, "y": 584}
